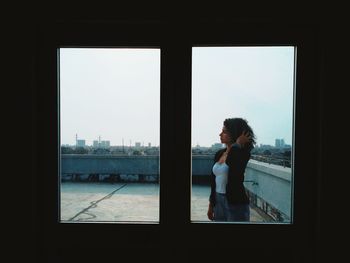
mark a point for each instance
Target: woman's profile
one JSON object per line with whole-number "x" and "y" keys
{"x": 228, "y": 199}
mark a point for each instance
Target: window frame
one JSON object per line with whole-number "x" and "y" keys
{"x": 176, "y": 40}
{"x": 236, "y": 44}
{"x": 59, "y": 137}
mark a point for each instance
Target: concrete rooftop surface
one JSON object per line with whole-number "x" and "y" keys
{"x": 126, "y": 202}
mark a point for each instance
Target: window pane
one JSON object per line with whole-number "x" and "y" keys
{"x": 256, "y": 85}
{"x": 109, "y": 134}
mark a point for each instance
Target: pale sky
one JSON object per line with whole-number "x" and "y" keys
{"x": 112, "y": 93}
{"x": 115, "y": 93}
{"x": 254, "y": 83}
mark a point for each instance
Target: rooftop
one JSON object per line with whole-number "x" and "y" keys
{"x": 125, "y": 202}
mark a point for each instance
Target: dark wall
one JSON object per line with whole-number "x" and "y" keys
{"x": 23, "y": 121}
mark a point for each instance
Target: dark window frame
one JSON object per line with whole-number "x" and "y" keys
{"x": 176, "y": 41}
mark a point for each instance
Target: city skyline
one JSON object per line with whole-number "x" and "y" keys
{"x": 115, "y": 93}
{"x": 148, "y": 144}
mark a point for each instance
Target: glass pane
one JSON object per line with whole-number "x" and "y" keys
{"x": 248, "y": 87}
{"x": 109, "y": 134}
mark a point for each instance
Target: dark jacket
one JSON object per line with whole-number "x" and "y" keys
{"x": 236, "y": 160}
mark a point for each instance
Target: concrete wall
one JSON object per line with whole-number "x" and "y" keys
{"x": 202, "y": 165}
{"x": 104, "y": 164}
{"x": 269, "y": 183}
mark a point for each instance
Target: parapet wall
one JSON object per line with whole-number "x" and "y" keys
{"x": 109, "y": 164}
{"x": 83, "y": 164}
{"x": 269, "y": 185}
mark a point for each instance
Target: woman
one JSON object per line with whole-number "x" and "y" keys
{"x": 228, "y": 199}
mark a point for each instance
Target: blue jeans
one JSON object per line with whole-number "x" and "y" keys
{"x": 223, "y": 211}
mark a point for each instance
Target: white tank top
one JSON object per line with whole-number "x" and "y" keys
{"x": 220, "y": 171}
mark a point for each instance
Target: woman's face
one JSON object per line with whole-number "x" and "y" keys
{"x": 225, "y": 136}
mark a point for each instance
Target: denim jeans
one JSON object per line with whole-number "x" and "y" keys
{"x": 223, "y": 211}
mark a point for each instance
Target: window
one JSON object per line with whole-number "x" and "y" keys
{"x": 176, "y": 43}
{"x": 255, "y": 83}
{"x": 109, "y": 123}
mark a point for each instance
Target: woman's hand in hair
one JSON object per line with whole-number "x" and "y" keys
{"x": 243, "y": 138}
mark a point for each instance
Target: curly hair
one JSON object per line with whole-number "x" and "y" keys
{"x": 236, "y": 126}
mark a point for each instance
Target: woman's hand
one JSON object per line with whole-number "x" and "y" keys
{"x": 210, "y": 213}
{"x": 243, "y": 138}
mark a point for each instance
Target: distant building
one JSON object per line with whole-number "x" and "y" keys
{"x": 105, "y": 144}
{"x": 101, "y": 144}
{"x": 137, "y": 144}
{"x": 287, "y": 146}
{"x": 282, "y": 143}
{"x": 217, "y": 146}
{"x": 279, "y": 143}
{"x": 265, "y": 146}
{"x": 80, "y": 143}
{"x": 95, "y": 144}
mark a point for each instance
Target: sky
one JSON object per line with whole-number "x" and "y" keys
{"x": 254, "y": 83}
{"x": 115, "y": 93}
{"x": 112, "y": 93}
